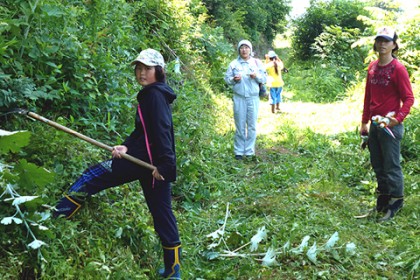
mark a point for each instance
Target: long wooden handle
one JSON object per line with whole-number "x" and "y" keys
{"x": 90, "y": 140}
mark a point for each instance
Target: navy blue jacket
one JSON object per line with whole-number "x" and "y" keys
{"x": 154, "y": 101}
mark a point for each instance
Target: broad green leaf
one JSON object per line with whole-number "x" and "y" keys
{"x": 32, "y": 175}
{"x": 13, "y": 141}
{"x": 52, "y": 11}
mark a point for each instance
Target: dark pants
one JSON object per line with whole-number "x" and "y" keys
{"x": 116, "y": 172}
{"x": 385, "y": 159}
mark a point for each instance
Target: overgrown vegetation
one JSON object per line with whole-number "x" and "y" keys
{"x": 288, "y": 214}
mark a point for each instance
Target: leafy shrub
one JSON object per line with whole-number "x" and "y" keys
{"x": 322, "y": 14}
{"x": 409, "y": 150}
{"x": 20, "y": 92}
{"x": 333, "y": 47}
{"x": 315, "y": 82}
{"x": 21, "y": 219}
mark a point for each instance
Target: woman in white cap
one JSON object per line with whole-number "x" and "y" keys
{"x": 244, "y": 74}
{"x": 388, "y": 94}
{"x": 151, "y": 141}
{"x": 274, "y": 81}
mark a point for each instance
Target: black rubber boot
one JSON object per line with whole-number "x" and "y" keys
{"x": 172, "y": 260}
{"x": 67, "y": 206}
{"x": 382, "y": 202}
{"x": 395, "y": 204}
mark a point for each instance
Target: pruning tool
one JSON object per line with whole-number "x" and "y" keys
{"x": 81, "y": 136}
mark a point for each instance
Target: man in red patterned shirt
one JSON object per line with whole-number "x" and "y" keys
{"x": 388, "y": 93}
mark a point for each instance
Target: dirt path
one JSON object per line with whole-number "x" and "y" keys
{"x": 328, "y": 119}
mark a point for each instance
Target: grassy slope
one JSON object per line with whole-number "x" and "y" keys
{"x": 309, "y": 178}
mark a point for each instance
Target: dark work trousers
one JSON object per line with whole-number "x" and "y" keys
{"x": 115, "y": 172}
{"x": 385, "y": 159}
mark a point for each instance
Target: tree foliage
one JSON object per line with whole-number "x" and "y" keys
{"x": 319, "y": 16}
{"x": 70, "y": 61}
{"x": 258, "y": 21}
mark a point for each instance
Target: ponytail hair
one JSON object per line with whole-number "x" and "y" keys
{"x": 276, "y": 68}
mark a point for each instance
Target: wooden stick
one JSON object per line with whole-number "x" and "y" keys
{"x": 90, "y": 140}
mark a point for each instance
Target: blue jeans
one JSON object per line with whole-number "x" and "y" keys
{"x": 275, "y": 95}
{"x": 385, "y": 159}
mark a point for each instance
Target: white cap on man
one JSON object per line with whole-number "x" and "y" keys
{"x": 386, "y": 32}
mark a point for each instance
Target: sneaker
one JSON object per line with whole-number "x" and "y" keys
{"x": 395, "y": 205}
{"x": 238, "y": 157}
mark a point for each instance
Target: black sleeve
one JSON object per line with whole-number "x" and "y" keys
{"x": 160, "y": 132}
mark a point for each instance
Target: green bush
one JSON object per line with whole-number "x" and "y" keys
{"x": 319, "y": 16}
{"x": 314, "y": 82}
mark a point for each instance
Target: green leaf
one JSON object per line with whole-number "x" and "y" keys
{"x": 13, "y": 141}
{"x": 269, "y": 258}
{"x": 331, "y": 242}
{"x": 312, "y": 252}
{"x": 23, "y": 199}
{"x": 9, "y": 220}
{"x": 53, "y": 11}
{"x": 257, "y": 238}
{"x": 31, "y": 175}
{"x": 302, "y": 245}
{"x": 119, "y": 232}
{"x": 350, "y": 248}
{"x": 36, "y": 244}
{"x": 212, "y": 255}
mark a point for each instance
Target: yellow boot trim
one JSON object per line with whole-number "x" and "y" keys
{"x": 76, "y": 203}
{"x": 176, "y": 257}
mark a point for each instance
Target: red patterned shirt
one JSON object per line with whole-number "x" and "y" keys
{"x": 388, "y": 89}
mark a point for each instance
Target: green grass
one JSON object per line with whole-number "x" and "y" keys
{"x": 309, "y": 179}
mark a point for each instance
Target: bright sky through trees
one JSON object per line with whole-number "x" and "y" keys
{"x": 299, "y": 7}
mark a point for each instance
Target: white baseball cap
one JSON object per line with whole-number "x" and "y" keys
{"x": 150, "y": 57}
{"x": 271, "y": 54}
{"x": 386, "y": 32}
